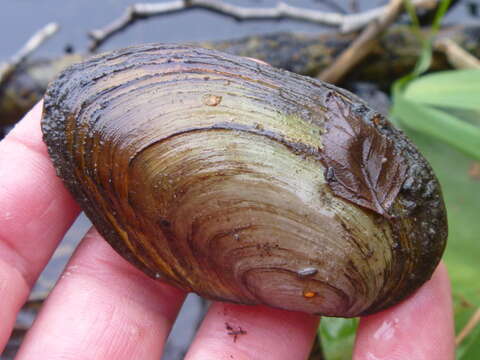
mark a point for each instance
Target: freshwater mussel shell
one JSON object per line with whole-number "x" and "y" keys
{"x": 245, "y": 183}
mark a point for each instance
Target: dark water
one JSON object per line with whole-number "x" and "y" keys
{"x": 19, "y": 19}
{"x": 76, "y": 18}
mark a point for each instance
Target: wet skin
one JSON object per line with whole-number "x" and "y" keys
{"x": 103, "y": 308}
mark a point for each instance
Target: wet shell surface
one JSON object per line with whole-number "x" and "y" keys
{"x": 245, "y": 183}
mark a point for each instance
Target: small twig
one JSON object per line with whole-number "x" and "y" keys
{"x": 456, "y": 56}
{"x": 345, "y": 23}
{"x": 471, "y": 324}
{"x": 7, "y": 68}
{"x": 362, "y": 46}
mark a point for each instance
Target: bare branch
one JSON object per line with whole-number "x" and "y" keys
{"x": 362, "y": 45}
{"x": 345, "y": 23}
{"x": 456, "y": 56}
{"x": 471, "y": 324}
{"x": 31, "y": 45}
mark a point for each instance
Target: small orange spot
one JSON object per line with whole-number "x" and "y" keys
{"x": 309, "y": 294}
{"x": 377, "y": 119}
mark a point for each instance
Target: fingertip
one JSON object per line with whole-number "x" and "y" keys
{"x": 253, "y": 332}
{"x": 421, "y": 327}
{"x": 28, "y": 129}
{"x": 116, "y": 311}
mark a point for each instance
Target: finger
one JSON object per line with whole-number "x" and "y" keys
{"x": 35, "y": 212}
{"x": 239, "y": 332}
{"x": 419, "y": 328}
{"x": 103, "y": 308}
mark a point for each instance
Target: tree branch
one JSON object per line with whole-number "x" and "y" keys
{"x": 37, "y": 39}
{"x": 362, "y": 45}
{"x": 456, "y": 56}
{"x": 345, "y": 23}
{"x": 471, "y": 324}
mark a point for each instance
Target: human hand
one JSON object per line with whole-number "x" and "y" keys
{"x": 103, "y": 308}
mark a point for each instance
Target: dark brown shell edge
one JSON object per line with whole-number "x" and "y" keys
{"x": 419, "y": 199}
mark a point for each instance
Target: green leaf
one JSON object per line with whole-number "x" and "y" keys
{"x": 439, "y": 15}
{"x": 470, "y": 348}
{"x": 338, "y": 337}
{"x": 425, "y": 125}
{"x": 457, "y": 89}
{"x": 462, "y": 197}
{"x": 439, "y": 124}
{"x": 412, "y": 12}
{"x": 425, "y": 60}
